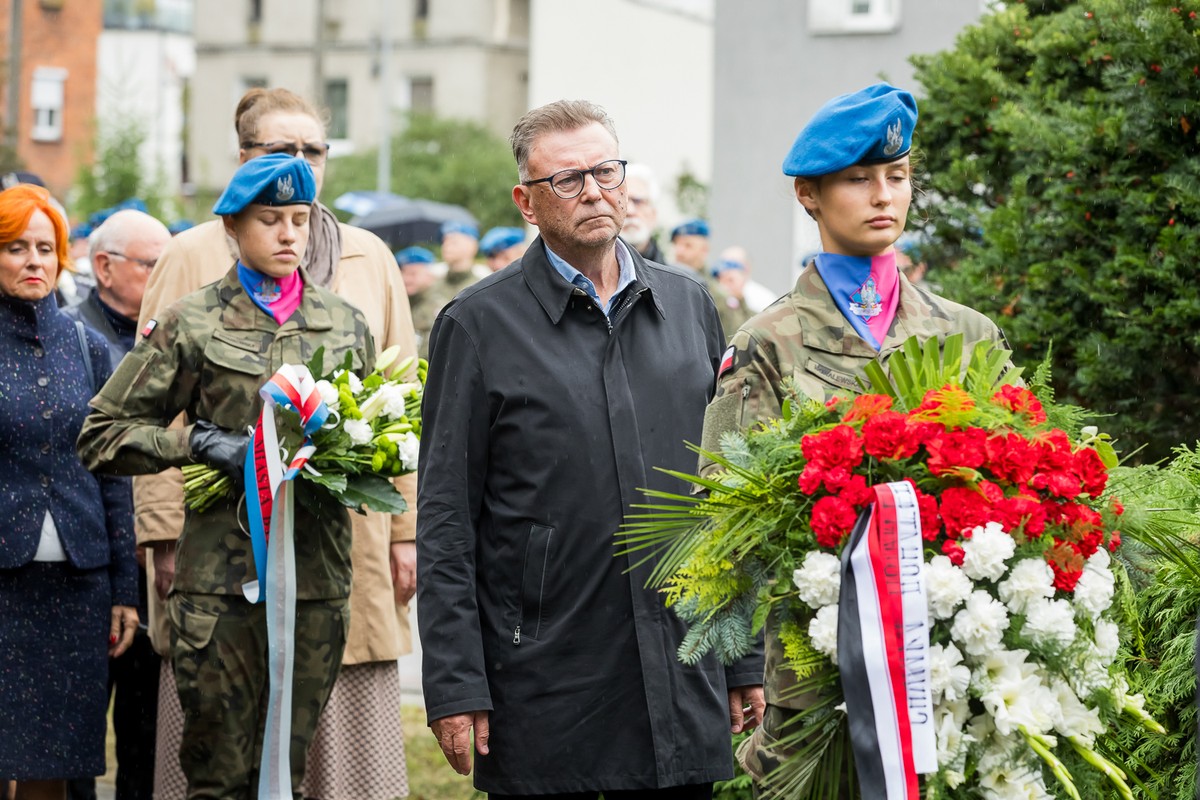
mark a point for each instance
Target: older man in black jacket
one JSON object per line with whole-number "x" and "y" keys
{"x": 555, "y": 387}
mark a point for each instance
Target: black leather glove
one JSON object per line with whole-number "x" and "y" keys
{"x": 220, "y": 448}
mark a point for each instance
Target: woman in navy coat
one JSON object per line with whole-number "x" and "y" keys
{"x": 68, "y": 578}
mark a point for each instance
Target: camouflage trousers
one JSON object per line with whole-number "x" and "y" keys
{"x": 219, "y": 650}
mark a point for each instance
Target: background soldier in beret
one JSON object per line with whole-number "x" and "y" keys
{"x": 207, "y": 356}
{"x": 848, "y": 308}
{"x": 416, "y": 267}
{"x": 689, "y": 240}
{"x": 501, "y": 246}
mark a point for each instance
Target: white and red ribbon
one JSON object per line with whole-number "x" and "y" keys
{"x": 270, "y": 509}
{"x": 883, "y": 647}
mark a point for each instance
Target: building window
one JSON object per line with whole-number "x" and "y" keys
{"x": 420, "y": 19}
{"x": 46, "y": 98}
{"x": 337, "y": 96}
{"x": 421, "y": 95}
{"x": 255, "y": 11}
{"x": 834, "y": 17}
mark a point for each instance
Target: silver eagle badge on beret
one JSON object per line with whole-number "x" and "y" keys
{"x": 284, "y": 189}
{"x": 895, "y": 139}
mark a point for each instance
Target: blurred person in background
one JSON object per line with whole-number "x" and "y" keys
{"x": 358, "y": 750}
{"x": 68, "y": 578}
{"x": 641, "y": 214}
{"x": 689, "y": 242}
{"x": 416, "y": 267}
{"x": 502, "y": 246}
{"x": 457, "y": 269}
{"x": 754, "y": 294}
{"x": 123, "y": 252}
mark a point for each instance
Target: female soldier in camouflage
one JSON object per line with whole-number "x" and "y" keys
{"x": 207, "y": 356}
{"x": 849, "y": 307}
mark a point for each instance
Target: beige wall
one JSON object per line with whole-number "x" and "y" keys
{"x": 476, "y": 74}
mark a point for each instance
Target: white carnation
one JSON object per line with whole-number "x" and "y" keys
{"x": 948, "y": 676}
{"x": 981, "y": 624}
{"x": 358, "y": 430}
{"x": 393, "y": 400}
{"x": 1050, "y": 623}
{"x": 408, "y": 447}
{"x": 946, "y": 587}
{"x": 1094, "y": 591}
{"x": 822, "y": 630}
{"x": 1030, "y": 579}
{"x": 329, "y": 394}
{"x": 819, "y": 579}
{"x": 986, "y": 551}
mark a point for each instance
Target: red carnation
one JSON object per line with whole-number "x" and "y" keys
{"x": 1020, "y": 400}
{"x": 955, "y": 552}
{"x": 856, "y": 492}
{"x": 839, "y": 445}
{"x": 1021, "y": 509}
{"x": 888, "y": 436}
{"x": 1114, "y": 541}
{"x": 866, "y": 406}
{"x": 1118, "y": 507}
{"x": 832, "y": 519}
{"x": 962, "y": 510}
{"x": 964, "y": 448}
{"x": 1012, "y": 457}
{"x": 1055, "y": 451}
{"x": 1091, "y": 471}
{"x": 1065, "y": 579}
{"x": 810, "y": 478}
{"x": 1059, "y": 483}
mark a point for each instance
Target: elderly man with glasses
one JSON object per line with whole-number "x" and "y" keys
{"x": 555, "y": 388}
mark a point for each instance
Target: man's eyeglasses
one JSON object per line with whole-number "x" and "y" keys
{"x": 148, "y": 263}
{"x": 569, "y": 182}
{"x": 313, "y": 152}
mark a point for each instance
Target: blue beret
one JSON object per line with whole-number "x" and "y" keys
{"x": 179, "y": 226}
{"x": 726, "y": 264}
{"x": 413, "y": 255}
{"x": 276, "y": 179}
{"x": 871, "y": 126}
{"x": 692, "y": 227}
{"x": 498, "y": 239}
{"x": 460, "y": 227}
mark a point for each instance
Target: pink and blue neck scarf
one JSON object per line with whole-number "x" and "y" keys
{"x": 278, "y": 297}
{"x": 866, "y": 289}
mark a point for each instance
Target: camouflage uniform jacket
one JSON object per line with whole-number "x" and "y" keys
{"x": 207, "y": 356}
{"x": 803, "y": 336}
{"x": 425, "y": 308}
{"x": 448, "y": 287}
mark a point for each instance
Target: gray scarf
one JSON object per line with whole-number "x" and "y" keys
{"x": 324, "y": 246}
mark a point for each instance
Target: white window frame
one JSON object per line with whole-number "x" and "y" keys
{"x": 47, "y": 98}
{"x": 837, "y": 17}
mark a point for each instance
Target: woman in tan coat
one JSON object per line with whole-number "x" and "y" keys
{"x": 358, "y": 750}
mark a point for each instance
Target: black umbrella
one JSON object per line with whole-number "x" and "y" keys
{"x": 404, "y": 220}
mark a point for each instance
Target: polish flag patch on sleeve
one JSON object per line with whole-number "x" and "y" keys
{"x": 149, "y": 329}
{"x": 726, "y": 362}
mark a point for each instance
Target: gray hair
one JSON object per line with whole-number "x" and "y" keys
{"x": 643, "y": 173}
{"x": 561, "y": 115}
{"x": 118, "y": 231}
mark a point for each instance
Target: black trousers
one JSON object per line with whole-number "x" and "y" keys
{"x": 692, "y": 791}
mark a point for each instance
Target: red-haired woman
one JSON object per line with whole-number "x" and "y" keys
{"x": 68, "y": 579}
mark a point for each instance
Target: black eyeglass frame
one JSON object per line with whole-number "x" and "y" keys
{"x": 582, "y": 173}
{"x": 145, "y": 263}
{"x": 313, "y": 152}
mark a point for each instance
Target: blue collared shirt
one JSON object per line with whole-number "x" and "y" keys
{"x": 577, "y": 278}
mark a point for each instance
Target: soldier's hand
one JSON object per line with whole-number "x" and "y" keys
{"x": 220, "y": 448}
{"x": 454, "y": 735}
{"x": 746, "y": 708}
